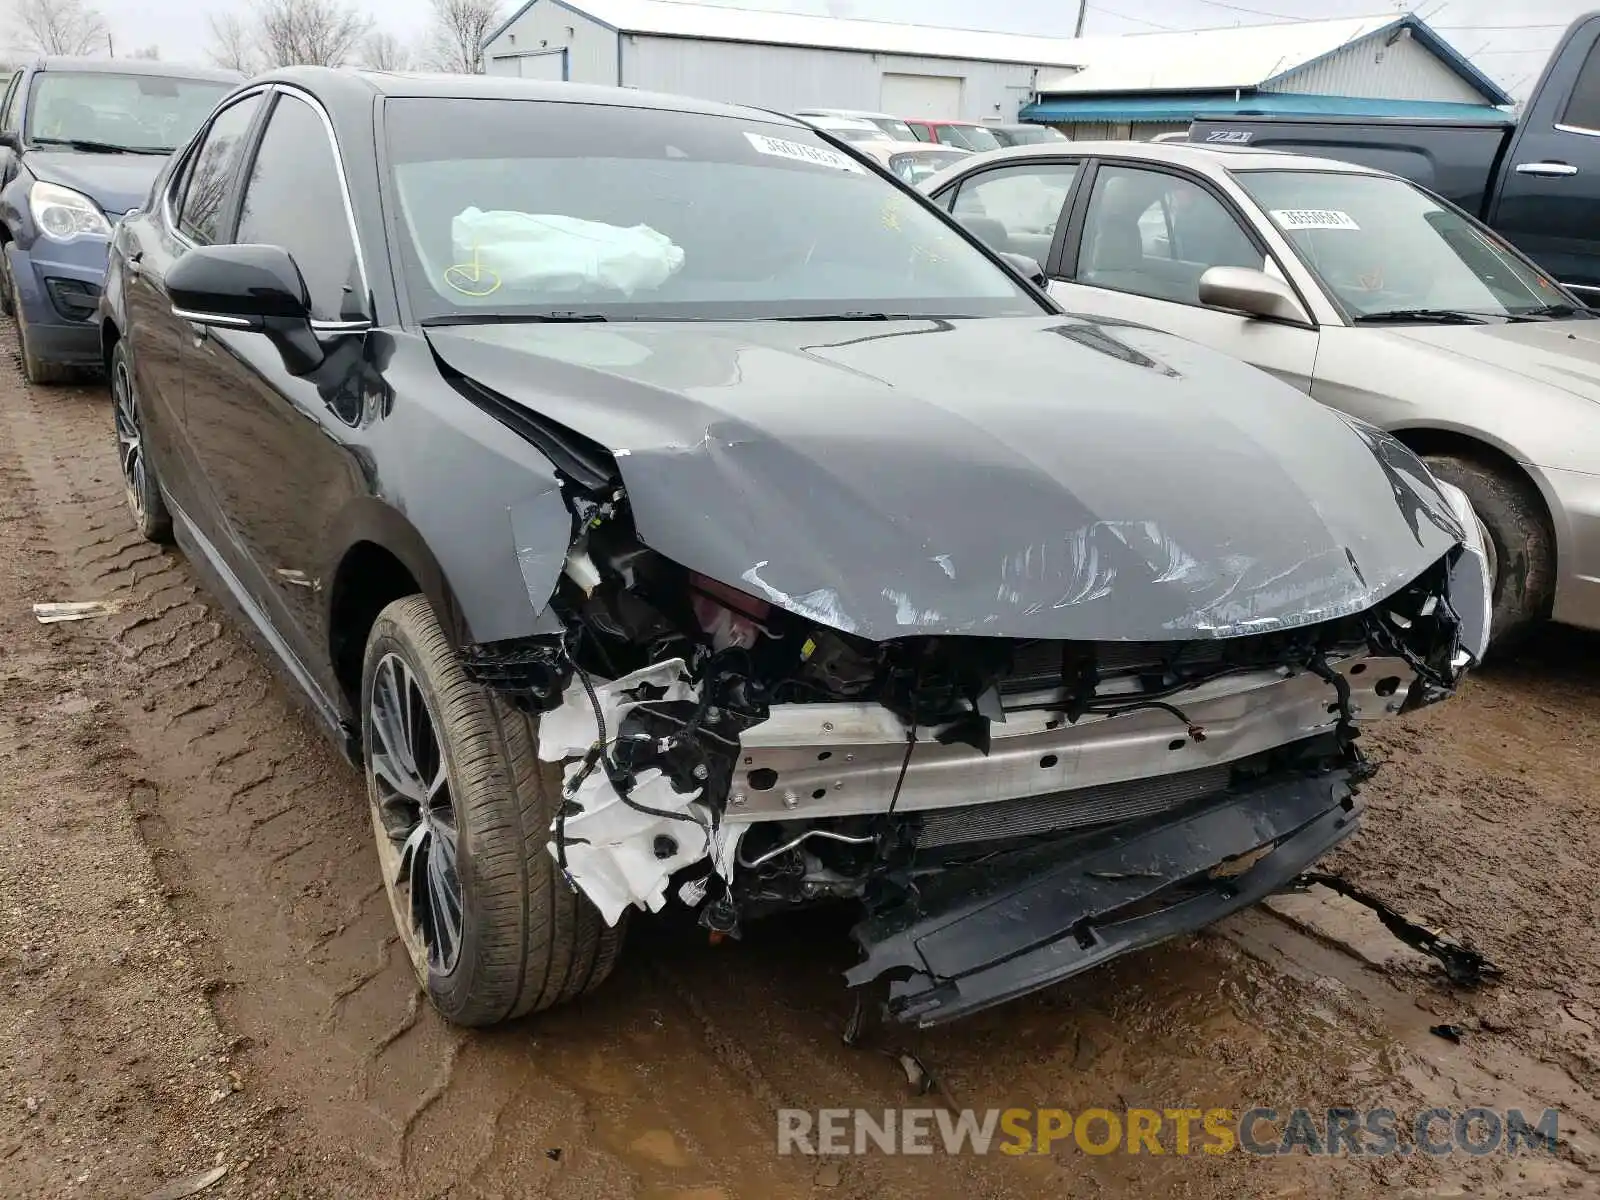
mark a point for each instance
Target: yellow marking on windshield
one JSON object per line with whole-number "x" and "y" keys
{"x": 472, "y": 278}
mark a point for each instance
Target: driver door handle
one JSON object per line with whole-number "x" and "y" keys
{"x": 1546, "y": 168}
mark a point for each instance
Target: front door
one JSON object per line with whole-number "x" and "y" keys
{"x": 273, "y": 444}
{"x": 1550, "y": 186}
{"x": 1148, "y": 235}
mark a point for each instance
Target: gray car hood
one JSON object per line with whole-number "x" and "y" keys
{"x": 116, "y": 182}
{"x": 1051, "y": 477}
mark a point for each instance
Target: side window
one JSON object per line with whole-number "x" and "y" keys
{"x": 1016, "y": 209}
{"x": 202, "y": 193}
{"x": 1155, "y": 234}
{"x": 922, "y": 132}
{"x": 294, "y": 198}
{"x": 1583, "y": 106}
{"x": 12, "y": 112}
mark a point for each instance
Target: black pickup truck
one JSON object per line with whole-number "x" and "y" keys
{"x": 1536, "y": 180}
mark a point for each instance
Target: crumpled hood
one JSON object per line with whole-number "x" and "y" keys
{"x": 1564, "y": 353}
{"x": 1051, "y": 477}
{"x": 116, "y": 182}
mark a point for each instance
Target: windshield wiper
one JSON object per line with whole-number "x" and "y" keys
{"x": 92, "y": 147}
{"x": 1549, "y": 312}
{"x": 1437, "y": 316}
{"x": 855, "y": 316}
{"x": 554, "y": 318}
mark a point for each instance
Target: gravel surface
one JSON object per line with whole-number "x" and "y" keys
{"x": 198, "y": 969}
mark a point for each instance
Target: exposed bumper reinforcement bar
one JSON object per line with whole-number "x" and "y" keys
{"x": 981, "y": 935}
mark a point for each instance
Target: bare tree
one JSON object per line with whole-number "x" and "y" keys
{"x": 59, "y": 27}
{"x": 232, "y": 47}
{"x": 459, "y": 27}
{"x": 320, "y": 32}
{"x": 382, "y": 51}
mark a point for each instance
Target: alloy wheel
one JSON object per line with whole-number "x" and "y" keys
{"x": 413, "y": 817}
{"x": 130, "y": 442}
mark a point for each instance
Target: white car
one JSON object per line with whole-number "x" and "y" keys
{"x": 1356, "y": 286}
{"x": 890, "y": 126}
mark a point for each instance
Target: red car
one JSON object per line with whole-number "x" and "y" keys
{"x": 968, "y": 135}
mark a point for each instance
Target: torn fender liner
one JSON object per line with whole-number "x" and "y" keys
{"x": 984, "y": 933}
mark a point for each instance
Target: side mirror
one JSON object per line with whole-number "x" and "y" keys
{"x": 10, "y": 140}
{"x": 255, "y": 288}
{"x": 1246, "y": 290}
{"x": 1028, "y": 267}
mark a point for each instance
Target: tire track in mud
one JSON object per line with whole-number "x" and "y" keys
{"x": 663, "y": 1083}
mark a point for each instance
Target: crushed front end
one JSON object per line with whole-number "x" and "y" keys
{"x": 1006, "y": 811}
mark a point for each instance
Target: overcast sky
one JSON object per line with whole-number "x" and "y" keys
{"x": 1510, "y": 49}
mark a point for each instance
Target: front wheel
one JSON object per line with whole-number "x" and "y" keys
{"x": 461, "y": 810}
{"x": 1522, "y": 550}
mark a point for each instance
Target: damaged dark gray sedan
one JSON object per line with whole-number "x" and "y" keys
{"x": 667, "y": 507}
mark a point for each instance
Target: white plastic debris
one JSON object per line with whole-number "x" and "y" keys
{"x": 562, "y": 253}
{"x": 73, "y": 610}
{"x": 569, "y": 730}
{"x": 617, "y": 853}
{"x": 620, "y": 855}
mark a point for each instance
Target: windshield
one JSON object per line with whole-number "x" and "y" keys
{"x": 916, "y": 165}
{"x": 154, "y": 113}
{"x": 1383, "y": 246}
{"x": 593, "y": 211}
{"x": 973, "y": 137}
{"x": 1033, "y": 135}
{"x": 895, "y": 128}
{"x": 862, "y": 132}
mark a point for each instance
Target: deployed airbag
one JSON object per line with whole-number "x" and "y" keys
{"x": 553, "y": 252}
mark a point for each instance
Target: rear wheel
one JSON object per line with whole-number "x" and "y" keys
{"x": 139, "y": 482}
{"x": 1522, "y": 552}
{"x": 461, "y": 811}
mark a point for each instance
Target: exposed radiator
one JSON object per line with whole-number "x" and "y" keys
{"x": 1077, "y": 809}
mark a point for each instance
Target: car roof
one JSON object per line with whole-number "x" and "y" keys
{"x": 834, "y": 121}
{"x": 135, "y": 66}
{"x": 1199, "y": 156}
{"x": 345, "y": 84}
{"x": 862, "y": 113}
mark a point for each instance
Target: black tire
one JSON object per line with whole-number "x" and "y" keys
{"x": 527, "y": 941}
{"x": 34, "y": 368}
{"x": 7, "y": 304}
{"x": 140, "y": 485}
{"x": 1524, "y": 545}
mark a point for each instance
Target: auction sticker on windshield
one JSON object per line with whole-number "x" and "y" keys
{"x": 819, "y": 156}
{"x": 1313, "y": 218}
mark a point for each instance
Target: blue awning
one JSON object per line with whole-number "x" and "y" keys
{"x": 1169, "y": 107}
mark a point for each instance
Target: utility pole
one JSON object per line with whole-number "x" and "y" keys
{"x": 1083, "y": 11}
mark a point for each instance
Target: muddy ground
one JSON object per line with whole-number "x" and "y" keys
{"x": 197, "y": 967}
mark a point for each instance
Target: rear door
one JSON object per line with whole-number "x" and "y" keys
{"x": 189, "y": 212}
{"x": 1550, "y": 181}
{"x": 1146, "y": 237}
{"x": 1018, "y": 208}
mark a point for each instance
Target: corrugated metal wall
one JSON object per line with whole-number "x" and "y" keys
{"x": 592, "y": 56}
{"x": 1368, "y": 68}
{"x": 788, "y": 77}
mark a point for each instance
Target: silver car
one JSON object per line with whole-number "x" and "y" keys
{"x": 1359, "y": 288}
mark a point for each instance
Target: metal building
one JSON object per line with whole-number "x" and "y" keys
{"x": 1141, "y": 85}
{"x": 777, "y": 60}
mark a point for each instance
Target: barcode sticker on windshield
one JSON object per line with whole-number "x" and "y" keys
{"x": 819, "y": 156}
{"x": 1313, "y": 218}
